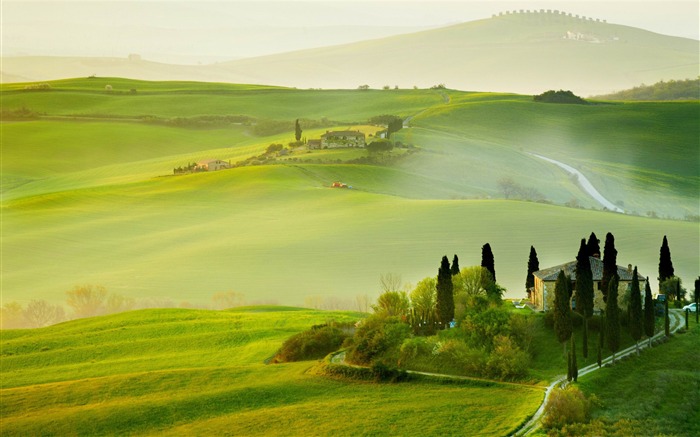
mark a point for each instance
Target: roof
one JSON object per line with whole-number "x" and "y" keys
{"x": 346, "y": 133}
{"x": 551, "y": 273}
{"x": 211, "y": 161}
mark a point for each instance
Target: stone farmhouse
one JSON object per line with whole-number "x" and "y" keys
{"x": 542, "y": 295}
{"x": 212, "y": 165}
{"x": 340, "y": 140}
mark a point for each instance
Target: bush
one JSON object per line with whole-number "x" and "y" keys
{"x": 385, "y": 373}
{"x": 378, "y": 337}
{"x": 313, "y": 344}
{"x": 566, "y": 406}
{"x": 560, "y": 96}
{"x": 507, "y": 360}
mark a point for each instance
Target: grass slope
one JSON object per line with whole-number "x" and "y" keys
{"x": 175, "y": 372}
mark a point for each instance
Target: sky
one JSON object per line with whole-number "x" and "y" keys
{"x": 192, "y": 32}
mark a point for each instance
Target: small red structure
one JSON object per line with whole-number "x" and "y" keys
{"x": 338, "y": 185}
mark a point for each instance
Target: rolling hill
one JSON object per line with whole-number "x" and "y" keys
{"x": 85, "y": 199}
{"x": 190, "y": 372}
{"x": 524, "y": 52}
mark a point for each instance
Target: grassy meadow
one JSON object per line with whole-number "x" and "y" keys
{"x": 87, "y": 195}
{"x": 194, "y": 372}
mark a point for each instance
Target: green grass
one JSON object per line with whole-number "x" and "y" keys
{"x": 656, "y": 393}
{"x": 175, "y": 372}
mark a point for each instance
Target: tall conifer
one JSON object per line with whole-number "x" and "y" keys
{"x": 636, "y": 323}
{"x": 593, "y": 246}
{"x": 533, "y": 265}
{"x": 584, "y": 290}
{"x": 297, "y": 130}
{"x": 612, "y": 318}
{"x": 445, "y": 299}
{"x": 487, "y": 260}
{"x": 665, "y": 264}
{"x": 609, "y": 264}
{"x": 454, "y": 269}
{"x": 563, "y": 325}
{"x": 649, "y": 307}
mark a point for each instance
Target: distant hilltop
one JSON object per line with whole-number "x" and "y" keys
{"x": 547, "y": 14}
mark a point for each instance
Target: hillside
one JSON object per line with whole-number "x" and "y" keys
{"x": 189, "y": 372}
{"x": 85, "y": 199}
{"x": 525, "y": 53}
{"x": 688, "y": 89}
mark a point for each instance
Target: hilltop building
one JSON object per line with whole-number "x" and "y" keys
{"x": 212, "y": 165}
{"x": 342, "y": 139}
{"x": 542, "y": 295}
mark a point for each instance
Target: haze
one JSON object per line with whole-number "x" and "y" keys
{"x": 188, "y": 32}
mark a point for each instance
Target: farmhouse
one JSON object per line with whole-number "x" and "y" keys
{"x": 212, "y": 165}
{"x": 342, "y": 139}
{"x": 313, "y": 144}
{"x": 542, "y": 295}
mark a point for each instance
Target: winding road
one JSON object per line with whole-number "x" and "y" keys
{"x": 584, "y": 182}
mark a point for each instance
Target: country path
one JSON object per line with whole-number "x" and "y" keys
{"x": 534, "y": 423}
{"x": 584, "y": 182}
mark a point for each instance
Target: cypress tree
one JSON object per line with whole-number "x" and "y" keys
{"x": 697, "y": 300}
{"x": 445, "y": 299}
{"x": 297, "y": 130}
{"x": 454, "y": 269}
{"x": 487, "y": 260}
{"x": 649, "y": 307}
{"x": 593, "y": 246}
{"x": 600, "y": 352}
{"x": 635, "y": 307}
{"x": 665, "y": 263}
{"x": 609, "y": 264}
{"x": 563, "y": 325}
{"x": 584, "y": 290}
{"x": 667, "y": 322}
{"x": 533, "y": 265}
{"x": 612, "y": 318}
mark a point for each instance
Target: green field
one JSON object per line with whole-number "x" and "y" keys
{"x": 85, "y": 200}
{"x": 192, "y": 372}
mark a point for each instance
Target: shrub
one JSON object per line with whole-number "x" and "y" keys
{"x": 386, "y": 373}
{"x": 560, "y": 96}
{"x": 507, "y": 360}
{"x": 313, "y": 344}
{"x": 378, "y": 337}
{"x": 482, "y": 327}
{"x": 566, "y": 406}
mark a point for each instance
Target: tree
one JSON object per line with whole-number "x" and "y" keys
{"x": 673, "y": 288}
{"x": 533, "y": 265}
{"x": 636, "y": 323}
{"x": 665, "y": 263}
{"x": 574, "y": 364}
{"x": 473, "y": 281}
{"x": 40, "y": 313}
{"x": 392, "y": 303}
{"x": 297, "y": 130}
{"x": 667, "y": 322}
{"x": 593, "y": 246}
{"x": 649, "y": 307}
{"x": 445, "y": 297}
{"x": 487, "y": 260}
{"x": 609, "y": 264}
{"x": 390, "y": 282}
{"x": 563, "y": 325}
{"x": 454, "y": 269}
{"x": 612, "y": 318}
{"x": 423, "y": 315}
{"x": 87, "y": 300}
{"x": 584, "y": 290}
{"x": 11, "y": 316}
{"x": 697, "y": 300}
{"x": 508, "y": 186}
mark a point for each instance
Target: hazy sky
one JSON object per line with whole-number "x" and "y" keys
{"x": 207, "y": 31}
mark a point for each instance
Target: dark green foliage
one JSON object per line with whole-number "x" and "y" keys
{"x": 665, "y": 264}
{"x": 609, "y": 264}
{"x": 379, "y": 146}
{"x": 697, "y": 300}
{"x": 584, "y": 282}
{"x": 573, "y": 361}
{"x": 600, "y": 351}
{"x": 560, "y": 96}
{"x": 563, "y": 326}
{"x": 377, "y": 337}
{"x": 649, "y": 305}
{"x": 673, "y": 288}
{"x": 487, "y": 260}
{"x": 593, "y": 246}
{"x": 612, "y": 318}
{"x": 533, "y": 265}
{"x": 454, "y": 269}
{"x": 585, "y": 338}
{"x": 297, "y": 130}
{"x": 635, "y": 309}
{"x": 688, "y": 89}
{"x": 315, "y": 343}
{"x": 386, "y": 373}
{"x": 445, "y": 296}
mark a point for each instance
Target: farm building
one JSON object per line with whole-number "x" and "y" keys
{"x": 212, "y": 165}
{"x": 542, "y": 295}
{"x": 342, "y": 139}
{"x": 313, "y": 144}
